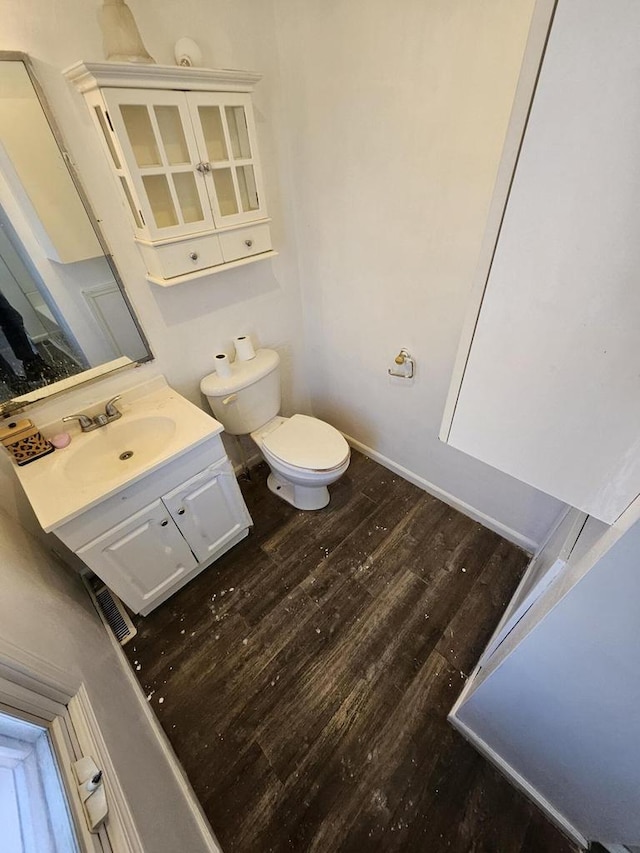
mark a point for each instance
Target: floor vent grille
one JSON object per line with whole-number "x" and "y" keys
{"x": 112, "y": 611}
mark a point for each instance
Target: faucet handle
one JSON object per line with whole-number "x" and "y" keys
{"x": 110, "y": 409}
{"x": 85, "y": 421}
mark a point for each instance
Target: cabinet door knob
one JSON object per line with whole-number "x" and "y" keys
{"x": 164, "y": 523}
{"x": 203, "y": 167}
{"x": 248, "y": 243}
{"x": 181, "y": 511}
{"x": 193, "y": 256}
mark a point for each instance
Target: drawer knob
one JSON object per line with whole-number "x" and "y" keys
{"x": 164, "y": 523}
{"x": 193, "y": 256}
{"x": 248, "y": 243}
{"x": 181, "y": 511}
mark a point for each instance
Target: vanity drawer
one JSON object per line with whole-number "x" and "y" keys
{"x": 168, "y": 260}
{"x": 244, "y": 242}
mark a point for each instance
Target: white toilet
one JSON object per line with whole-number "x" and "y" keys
{"x": 305, "y": 455}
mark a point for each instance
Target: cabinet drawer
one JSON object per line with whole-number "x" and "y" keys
{"x": 184, "y": 256}
{"x": 244, "y": 242}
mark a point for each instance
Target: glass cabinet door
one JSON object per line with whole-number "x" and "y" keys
{"x": 225, "y": 133}
{"x": 160, "y": 150}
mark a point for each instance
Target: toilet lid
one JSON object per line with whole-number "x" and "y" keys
{"x": 306, "y": 442}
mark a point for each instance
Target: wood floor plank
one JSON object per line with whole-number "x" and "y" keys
{"x": 484, "y": 828}
{"x": 542, "y": 835}
{"x": 471, "y": 628}
{"x": 250, "y": 790}
{"x": 305, "y": 678}
{"x": 350, "y": 557}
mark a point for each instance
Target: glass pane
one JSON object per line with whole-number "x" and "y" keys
{"x": 129, "y": 197}
{"x": 172, "y": 133}
{"x": 34, "y": 811}
{"x": 143, "y": 141}
{"x": 238, "y": 133}
{"x": 247, "y": 187}
{"x": 160, "y": 201}
{"x": 211, "y": 122}
{"x": 225, "y": 191}
{"x": 107, "y": 136}
{"x": 188, "y": 199}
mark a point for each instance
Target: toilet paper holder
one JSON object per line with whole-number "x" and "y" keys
{"x": 406, "y": 365}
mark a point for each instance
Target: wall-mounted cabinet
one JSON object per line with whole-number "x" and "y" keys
{"x": 546, "y": 387}
{"x": 182, "y": 145}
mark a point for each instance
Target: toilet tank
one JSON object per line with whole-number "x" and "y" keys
{"x": 249, "y": 397}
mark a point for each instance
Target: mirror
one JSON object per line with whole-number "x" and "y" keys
{"x": 64, "y": 316}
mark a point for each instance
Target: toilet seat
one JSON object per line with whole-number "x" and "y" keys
{"x": 307, "y": 443}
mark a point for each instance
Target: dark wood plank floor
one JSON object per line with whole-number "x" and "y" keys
{"x": 304, "y": 680}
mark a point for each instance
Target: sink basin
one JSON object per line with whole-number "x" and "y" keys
{"x": 157, "y": 426}
{"x": 120, "y": 448}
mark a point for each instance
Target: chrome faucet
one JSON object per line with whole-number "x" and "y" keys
{"x": 88, "y": 423}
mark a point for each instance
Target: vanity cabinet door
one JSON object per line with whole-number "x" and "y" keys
{"x": 209, "y": 510}
{"x": 142, "y": 558}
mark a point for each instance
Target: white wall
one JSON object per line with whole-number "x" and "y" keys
{"x": 185, "y": 325}
{"x": 396, "y": 115}
{"x": 562, "y": 708}
{"x": 46, "y": 612}
{"x": 381, "y": 129}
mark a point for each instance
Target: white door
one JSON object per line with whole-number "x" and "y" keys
{"x": 209, "y": 510}
{"x": 551, "y": 389}
{"x": 141, "y": 558}
{"x": 157, "y": 141}
{"x": 225, "y": 133}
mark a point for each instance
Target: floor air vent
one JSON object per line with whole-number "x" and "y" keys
{"x": 112, "y": 610}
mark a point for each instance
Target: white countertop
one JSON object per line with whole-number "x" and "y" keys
{"x": 57, "y": 498}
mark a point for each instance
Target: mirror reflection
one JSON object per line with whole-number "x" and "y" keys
{"x": 62, "y": 310}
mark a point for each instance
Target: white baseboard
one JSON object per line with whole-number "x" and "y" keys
{"x": 487, "y": 521}
{"x": 208, "y": 839}
{"x": 519, "y": 781}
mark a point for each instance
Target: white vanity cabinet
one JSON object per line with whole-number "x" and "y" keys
{"x": 153, "y": 537}
{"x": 183, "y": 147}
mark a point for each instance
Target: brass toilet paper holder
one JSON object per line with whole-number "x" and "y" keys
{"x": 406, "y": 365}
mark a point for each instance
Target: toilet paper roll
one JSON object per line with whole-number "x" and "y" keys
{"x": 223, "y": 365}
{"x": 244, "y": 348}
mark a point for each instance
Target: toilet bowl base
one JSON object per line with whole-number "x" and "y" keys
{"x": 302, "y": 497}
